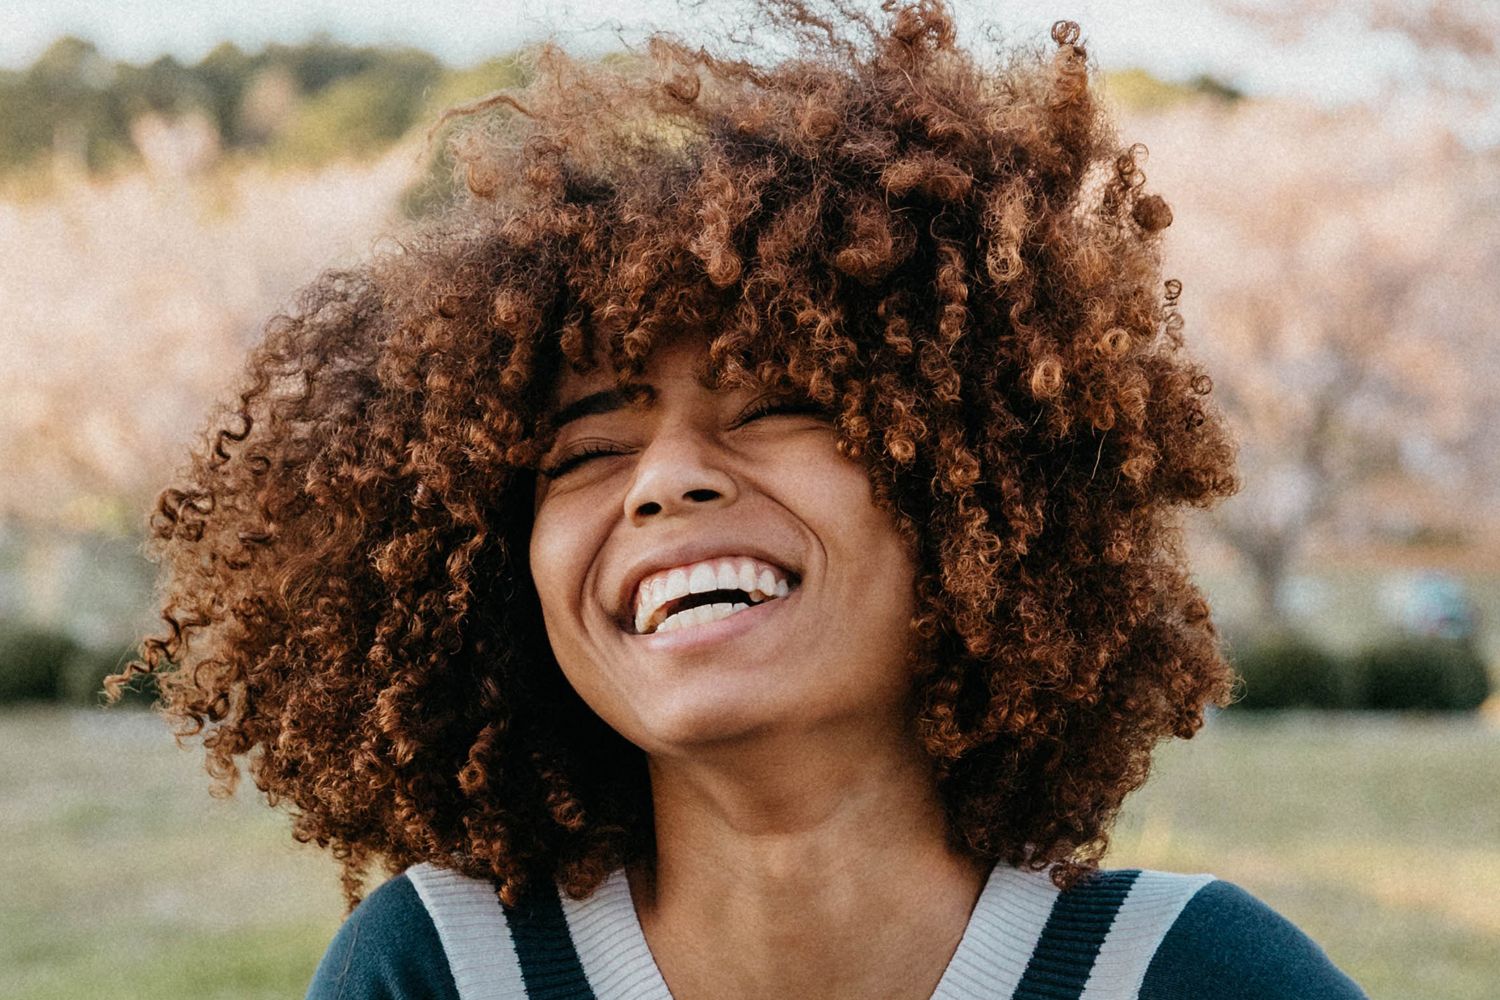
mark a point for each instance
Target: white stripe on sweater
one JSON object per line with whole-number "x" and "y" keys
{"x": 611, "y": 946}
{"x": 475, "y": 936}
{"x": 1003, "y": 931}
{"x": 1151, "y": 906}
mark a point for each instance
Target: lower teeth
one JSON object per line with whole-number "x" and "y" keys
{"x": 701, "y": 615}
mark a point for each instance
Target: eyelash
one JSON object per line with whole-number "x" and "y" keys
{"x": 576, "y": 459}
{"x": 588, "y": 451}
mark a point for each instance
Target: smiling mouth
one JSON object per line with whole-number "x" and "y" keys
{"x": 709, "y": 606}
{"x": 709, "y": 590}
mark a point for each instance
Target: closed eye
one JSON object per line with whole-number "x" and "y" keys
{"x": 588, "y": 451}
{"x": 792, "y": 405}
{"x": 785, "y": 404}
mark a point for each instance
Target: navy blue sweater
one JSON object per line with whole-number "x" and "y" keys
{"x": 1125, "y": 934}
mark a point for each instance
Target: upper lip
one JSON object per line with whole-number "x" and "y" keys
{"x": 681, "y": 555}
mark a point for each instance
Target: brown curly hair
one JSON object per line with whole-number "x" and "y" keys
{"x": 959, "y": 261}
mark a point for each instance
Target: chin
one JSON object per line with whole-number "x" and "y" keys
{"x": 702, "y": 719}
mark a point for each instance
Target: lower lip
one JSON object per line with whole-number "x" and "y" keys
{"x": 696, "y": 636}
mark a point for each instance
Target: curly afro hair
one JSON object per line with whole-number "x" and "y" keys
{"x": 959, "y": 261}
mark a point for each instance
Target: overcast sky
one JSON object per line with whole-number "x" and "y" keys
{"x": 1173, "y": 38}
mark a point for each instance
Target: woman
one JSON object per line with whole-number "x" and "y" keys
{"x": 731, "y": 551}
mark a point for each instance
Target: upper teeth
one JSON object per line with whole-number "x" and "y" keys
{"x": 760, "y": 580}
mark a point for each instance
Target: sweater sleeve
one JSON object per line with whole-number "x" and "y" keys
{"x": 387, "y": 949}
{"x": 1229, "y": 945}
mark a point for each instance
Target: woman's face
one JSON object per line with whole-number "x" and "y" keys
{"x": 704, "y": 496}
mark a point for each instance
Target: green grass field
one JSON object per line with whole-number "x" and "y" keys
{"x": 1379, "y": 836}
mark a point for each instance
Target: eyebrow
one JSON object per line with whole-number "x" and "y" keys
{"x": 603, "y": 401}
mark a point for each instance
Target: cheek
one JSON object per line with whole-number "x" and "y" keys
{"x": 544, "y": 552}
{"x": 843, "y": 490}
{"x": 874, "y": 564}
{"x": 883, "y": 560}
{"x": 560, "y": 548}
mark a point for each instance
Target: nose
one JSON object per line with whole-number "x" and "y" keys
{"x": 679, "y": 470}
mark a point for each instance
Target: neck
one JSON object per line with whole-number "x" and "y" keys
{"x": 799, "y": 862}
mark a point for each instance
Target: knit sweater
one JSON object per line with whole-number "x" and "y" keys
{"x": 1122, "y": 934}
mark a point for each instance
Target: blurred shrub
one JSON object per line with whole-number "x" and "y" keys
{"x": 1290, "y": 670}
{"x": 305, "y": 104}
{"x": 81, "y": 681}
{"x": 45, "y": 664}
{"x": 1139, "y": 90}
{"x": 1423, "y": 673}
{"x": 32, "y": 659}
{"x": 1414, "y": 673}
{"x": 64, "y": 102}
{"x": 358, "y": 115}
{"x": 343, "y": 100}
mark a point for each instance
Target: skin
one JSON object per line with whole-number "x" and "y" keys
{"x": 801, "y": 843}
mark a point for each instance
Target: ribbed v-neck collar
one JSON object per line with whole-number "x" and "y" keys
{"x": 989, "y": 961}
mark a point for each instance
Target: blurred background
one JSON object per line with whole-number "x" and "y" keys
{"x": 171, "y": 173}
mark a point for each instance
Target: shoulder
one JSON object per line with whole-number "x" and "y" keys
{"x": 435, "y": 934}
{"x": 1228, "y": 944}
{"x": 387, "y": 949}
